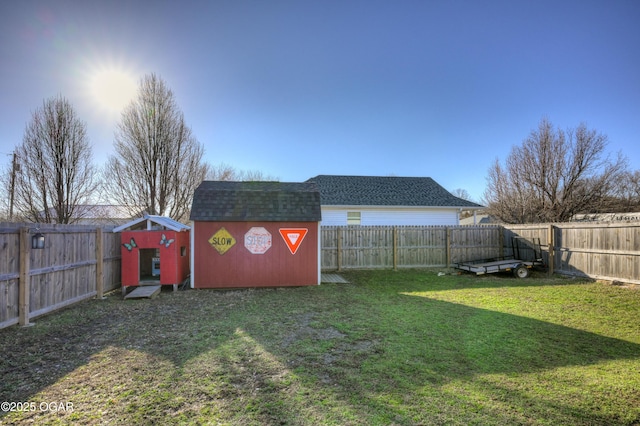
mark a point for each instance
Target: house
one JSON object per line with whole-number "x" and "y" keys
{"x": 388, "y": 200}
{"x": 155, "y": 250}
{"x": 255, "y": 234}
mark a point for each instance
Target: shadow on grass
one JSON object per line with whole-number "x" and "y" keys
{"x": 449, "y": 352}
{"x": 359, "y": 354}
{"x": 429, "y": 280}
{"x": 460, "y": 341}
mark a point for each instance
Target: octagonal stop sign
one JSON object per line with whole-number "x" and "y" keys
{"x": 257, "y": 240}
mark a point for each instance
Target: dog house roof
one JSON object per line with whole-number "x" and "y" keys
{"x": 153, "y": 222}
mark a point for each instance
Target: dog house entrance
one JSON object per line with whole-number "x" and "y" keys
{"x": 149, "y": 261}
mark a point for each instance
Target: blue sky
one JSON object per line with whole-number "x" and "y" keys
{"x": 300, "y": 88}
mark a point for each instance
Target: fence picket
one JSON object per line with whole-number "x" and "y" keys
{"x": 607, "y": 251}
{"x": 67, "y": 270}
{"x": 370, "y": 247}
{"x": 64, "y": 272}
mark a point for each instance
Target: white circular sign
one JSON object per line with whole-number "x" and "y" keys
{"x": 257, "y": 240}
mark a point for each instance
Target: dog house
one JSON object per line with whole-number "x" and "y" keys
{"x": 255, "y": 234}
{"x": 155, "y": 250}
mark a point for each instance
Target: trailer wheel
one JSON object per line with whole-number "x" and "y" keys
{"x": 521, "y": 271}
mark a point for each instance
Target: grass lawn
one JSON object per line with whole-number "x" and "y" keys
{"x": 405, "y": 348}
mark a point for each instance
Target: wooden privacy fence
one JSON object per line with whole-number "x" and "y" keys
{"x": 80, "y": 262}
{"x": 609, "y": 251}
{"x": 77, "y": 263}
{"x": 365, "y": 247}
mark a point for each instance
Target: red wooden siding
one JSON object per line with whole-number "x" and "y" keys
{"x": 174, "y": 268}
{"x": 240, "y": 268}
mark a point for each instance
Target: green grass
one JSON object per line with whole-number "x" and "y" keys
{"x": 405, "y": 348}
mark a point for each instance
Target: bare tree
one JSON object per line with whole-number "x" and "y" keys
{"x": 462, "y": 193}
{"x": 52, "y": 172}
{"x": 158, "y": 162}
{"x": 221, "y": 171}
{"x": 226, "y": 172}
{"x": 626, "y": 197}
{"x": 553, "y": 175}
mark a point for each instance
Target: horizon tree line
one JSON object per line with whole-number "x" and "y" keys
{"x": 158, "y": 163}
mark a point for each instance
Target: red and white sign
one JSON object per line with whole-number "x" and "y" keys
{"x": 257, "y": 240}
{"x": 293, "y": 237}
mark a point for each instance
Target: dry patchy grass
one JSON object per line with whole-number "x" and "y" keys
{"x": 406, "y": 347}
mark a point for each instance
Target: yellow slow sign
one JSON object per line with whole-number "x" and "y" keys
{"x": 222, "y": 240}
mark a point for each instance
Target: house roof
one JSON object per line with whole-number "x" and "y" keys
{"x": 386, "y": 191}
{"x": 218, "y": 201}
{"x": 153, "y": 222}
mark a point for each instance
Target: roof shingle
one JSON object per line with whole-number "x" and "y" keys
{"x": 385, "y": 191}
{"x": 218, "y": 201}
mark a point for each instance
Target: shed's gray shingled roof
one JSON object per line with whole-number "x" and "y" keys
{"x": 218, "y": 201}
{"x": 385, "y": 191}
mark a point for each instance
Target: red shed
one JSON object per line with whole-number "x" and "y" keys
{"x": 255, "y": 234}
{"x": 155, "y": 250}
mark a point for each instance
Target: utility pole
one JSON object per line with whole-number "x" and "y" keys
{"x": 15, "y": 167}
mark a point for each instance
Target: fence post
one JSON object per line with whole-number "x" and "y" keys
{"x": 395, "y": 248}
{"x": 448, "y": 247}
{"x": 25, "y": 288}
{"x": 551, "y": 241}
{"x": 339, "y": 251}
{"x": 99, "y": 265}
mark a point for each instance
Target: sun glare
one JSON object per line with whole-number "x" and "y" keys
{"x": 112, "y": 89}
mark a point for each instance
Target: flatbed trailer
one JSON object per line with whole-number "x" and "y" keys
{"x": 520, "y": 268}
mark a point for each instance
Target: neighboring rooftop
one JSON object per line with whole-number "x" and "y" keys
{"x": 95, "y": 214}
{"x": 479, "y": 219}
{"x": 218, "y": 201}
{"x": 386, "y": 191}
